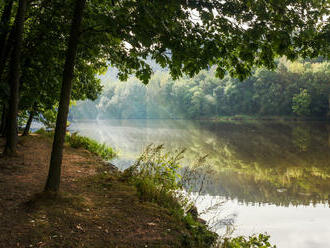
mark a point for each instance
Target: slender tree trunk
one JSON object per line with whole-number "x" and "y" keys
{"x": 5, "y": 20}
{"x": 328, "y": 114}
{"x": 54, "y": 174}
{"x": 10, "y": 148}
{"x": 28, "y": 124}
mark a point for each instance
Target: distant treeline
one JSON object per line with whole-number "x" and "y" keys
{"x": 294, "y": 89}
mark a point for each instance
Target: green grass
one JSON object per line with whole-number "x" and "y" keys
{"x": 77, "y": 141}
{"x": 102, "y": 150}
{"x": 45, "y": 133}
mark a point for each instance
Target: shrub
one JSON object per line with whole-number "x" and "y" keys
{"x": 254, "y": 241}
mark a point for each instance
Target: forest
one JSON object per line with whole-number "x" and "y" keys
{"x": 296, "y": 89}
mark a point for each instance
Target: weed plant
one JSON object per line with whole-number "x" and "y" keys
{"x": 157, "y": 179}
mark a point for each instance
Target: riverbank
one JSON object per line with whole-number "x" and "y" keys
{"x": 95, "y": 208}
{"x": 270, "y": 118}
{"x": 233, "y": 118}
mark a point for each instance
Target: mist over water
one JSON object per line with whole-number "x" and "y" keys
{"x": 268, "y": 177}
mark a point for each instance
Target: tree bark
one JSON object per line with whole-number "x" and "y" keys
{"x": 7, "y": 52}
{"x": 28, "y": 123}
{"x": 54, "y": 174}
{"x": 3, "y": 120}
{"x": 10, "y": 148}
{"x": 328, "y": 114}
{"x": 5, "y": 21}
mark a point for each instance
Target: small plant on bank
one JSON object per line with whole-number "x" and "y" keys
{"x": 254, "y": 241}
{"x": 156, "y": 175}
{"x": 157, "y": 179}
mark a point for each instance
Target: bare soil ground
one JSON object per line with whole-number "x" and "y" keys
{"x": 94, "y": 209}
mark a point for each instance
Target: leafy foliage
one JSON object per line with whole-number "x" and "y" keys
{"x": 301, "y": 103}
{"x": 232, "y": 36}
{"x": 255, "y": 241}
{"x": 48, "y": 118}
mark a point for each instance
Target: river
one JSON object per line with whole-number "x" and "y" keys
{"x": 268, "y": 177}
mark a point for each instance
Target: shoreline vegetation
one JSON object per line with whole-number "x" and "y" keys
{"x": 228, "y": 118}
{"x": 294, "y": 91}
{"x": 98, "y": 206}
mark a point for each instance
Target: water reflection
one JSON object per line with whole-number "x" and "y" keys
{"x": 277, "y": 163}
{"x": 272, "y": 177}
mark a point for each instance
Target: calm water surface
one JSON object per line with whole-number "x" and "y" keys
{"x": 269, "y": 177}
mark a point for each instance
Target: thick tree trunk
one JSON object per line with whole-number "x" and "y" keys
{"x": 28, "y": 124}
{"x": 3, "y": 120}
{"x": 5, "y": 20}
{"x": 54, "y": 174}
{"x": 7, "y": 52}
{"x": 10, "y": 148}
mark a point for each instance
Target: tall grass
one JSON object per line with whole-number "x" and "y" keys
{"x": 156, "y": 177}
{"x": 155, "y": 174}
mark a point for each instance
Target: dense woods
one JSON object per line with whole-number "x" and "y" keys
{"x": 299, "y": 89}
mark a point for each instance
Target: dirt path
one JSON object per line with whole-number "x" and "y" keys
{"x": 95, "y": 208}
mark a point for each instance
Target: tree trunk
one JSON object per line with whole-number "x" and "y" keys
{"x": 7, "y": 52}
{"x": 328, "y": 114}
{"x": 10, "y": 148}
{"x": 5, "y": 21}
{"x": 54, "y": 174}
{"x": 28, "y": 124}
{"x": 3, "y": 120}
